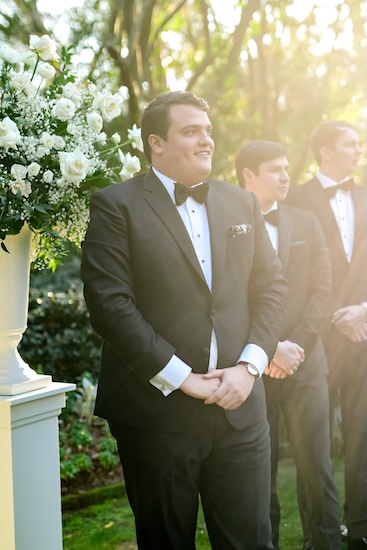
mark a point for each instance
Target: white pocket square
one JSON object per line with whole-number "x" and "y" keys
{"x": 238, "y": 230}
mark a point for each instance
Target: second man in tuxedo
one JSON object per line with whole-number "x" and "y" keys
{"x": 296, "y": 382}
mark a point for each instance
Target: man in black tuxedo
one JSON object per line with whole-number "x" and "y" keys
{"x": 296, "y": 383}
{"x": 341, "y": 207}
{"x": 184, "y": 287}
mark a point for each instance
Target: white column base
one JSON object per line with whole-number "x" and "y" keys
{"x": 30, "y": 496}
{"x": 16, "y": 376}
{"x": 41, "y": 381}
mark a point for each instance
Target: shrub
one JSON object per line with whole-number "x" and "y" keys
{"x": 59, "y": 340}
{"x": 88, "y": 451}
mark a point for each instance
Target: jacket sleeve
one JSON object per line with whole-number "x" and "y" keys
{"x": 319, "y": 303}
{"x": 106, "y": 271}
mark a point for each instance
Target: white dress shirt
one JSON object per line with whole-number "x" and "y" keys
{"x": 272, "y": 229}
{"x": 195, "y": 219}
{"x": 342, "y": 206}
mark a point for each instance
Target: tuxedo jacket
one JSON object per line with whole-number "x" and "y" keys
{"x": 304, "y": 255}
{"x": 349, "y": 280}
{"x": 148, "y": 298}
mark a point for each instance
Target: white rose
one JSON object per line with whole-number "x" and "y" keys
{"x": 74, "y": 166}
{"x": 48, "y": 176}
{"x": 95, "y": 121}
{"x": 30, "y": 90}
{"x": 9, "y": 133}
{"x": 47, "y": 140}
{"x": 72, "y": 129}
{"x": 33, "y": 169}
{"x": 18, "y": 171}
{"x": 135, "y": 135}
{"x": 24, "y": 187}
{"x": 59, "y": 143}
{"x": 108, "y": 104}
{"x": 131, "y": 165}
{"x": 42, "y": 151}
{"x": 20, "y": 81}
{"x": 12, "y": 56}
{"x": 102, "y": 138}
{"x": 116, "y": 138}
{"x": 72, "y": 92}
{"x": 46, "y": 70}
{"x": 64, "y": 109}
{"x": 45, "y": 47}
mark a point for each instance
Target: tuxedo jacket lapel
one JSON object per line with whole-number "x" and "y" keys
{"x": 161, "y": 203}
{"x": 285, "y": 229}
{"x": 325, "y": 214}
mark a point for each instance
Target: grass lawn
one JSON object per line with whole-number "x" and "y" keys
{"x": 110, "y": 525}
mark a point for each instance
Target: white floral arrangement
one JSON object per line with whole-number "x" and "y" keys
{"x": 53, "y": 150}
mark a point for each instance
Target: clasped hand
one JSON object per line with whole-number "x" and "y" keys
{"x": 351, "y": 321}
{"x": 286, "y": 360}
{"x": 228, "y": 388}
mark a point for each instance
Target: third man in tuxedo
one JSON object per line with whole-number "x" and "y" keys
{"x": 341, "y": 208}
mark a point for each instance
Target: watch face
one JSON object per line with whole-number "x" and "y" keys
{"x": 252, "y": 370}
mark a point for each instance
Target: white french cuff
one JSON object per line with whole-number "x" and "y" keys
{"x": 255, "y": 356}
{"x": 171, "y": 376}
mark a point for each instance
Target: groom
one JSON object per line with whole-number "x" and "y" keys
{"x": 185, "y": 289}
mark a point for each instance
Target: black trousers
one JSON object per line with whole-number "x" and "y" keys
{"x": 305, "y": 408}
{"x": 166, "y": 472}
{"x": 348, "y": 386}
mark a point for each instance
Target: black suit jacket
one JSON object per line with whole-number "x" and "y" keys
{"x": 349, "y": 280}
{"x": 305, "y": 259}
{"x": 148, "y": 298}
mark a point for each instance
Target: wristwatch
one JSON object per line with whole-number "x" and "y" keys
{"x": 251, "y": 369}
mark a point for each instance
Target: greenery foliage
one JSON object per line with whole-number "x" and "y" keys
{"x": 60, "y": 340}
{"x": 86, "y": 443}
{"x": 270, "y": 69}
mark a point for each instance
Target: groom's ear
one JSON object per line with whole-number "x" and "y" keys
{"x": 155, "y": 143}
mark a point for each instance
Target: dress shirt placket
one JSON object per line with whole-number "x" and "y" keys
{"x": 342, "y": 207}
{"x": 199, "y": 235}
{"x": 198, "y": 230}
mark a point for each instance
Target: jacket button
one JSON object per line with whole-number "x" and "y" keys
{"x": 206, "y": 351}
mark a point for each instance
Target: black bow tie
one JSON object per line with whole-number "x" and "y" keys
{"x": 345, "y": 186}
{"x": 198, "y": 193}
{"x": 272, "y": 217}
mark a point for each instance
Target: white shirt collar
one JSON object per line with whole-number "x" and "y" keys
{"x": 168, "y": 183}
{"x": 326, "y": 181}
{"x": 274, "y": 206}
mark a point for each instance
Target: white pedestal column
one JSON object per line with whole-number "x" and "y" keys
{"x": 30, "y": 496}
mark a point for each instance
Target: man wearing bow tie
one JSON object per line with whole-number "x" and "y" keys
{"x": 296, "y": 377}
{"x": 341, "y": 209}
{"x": 184, "y": 287}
